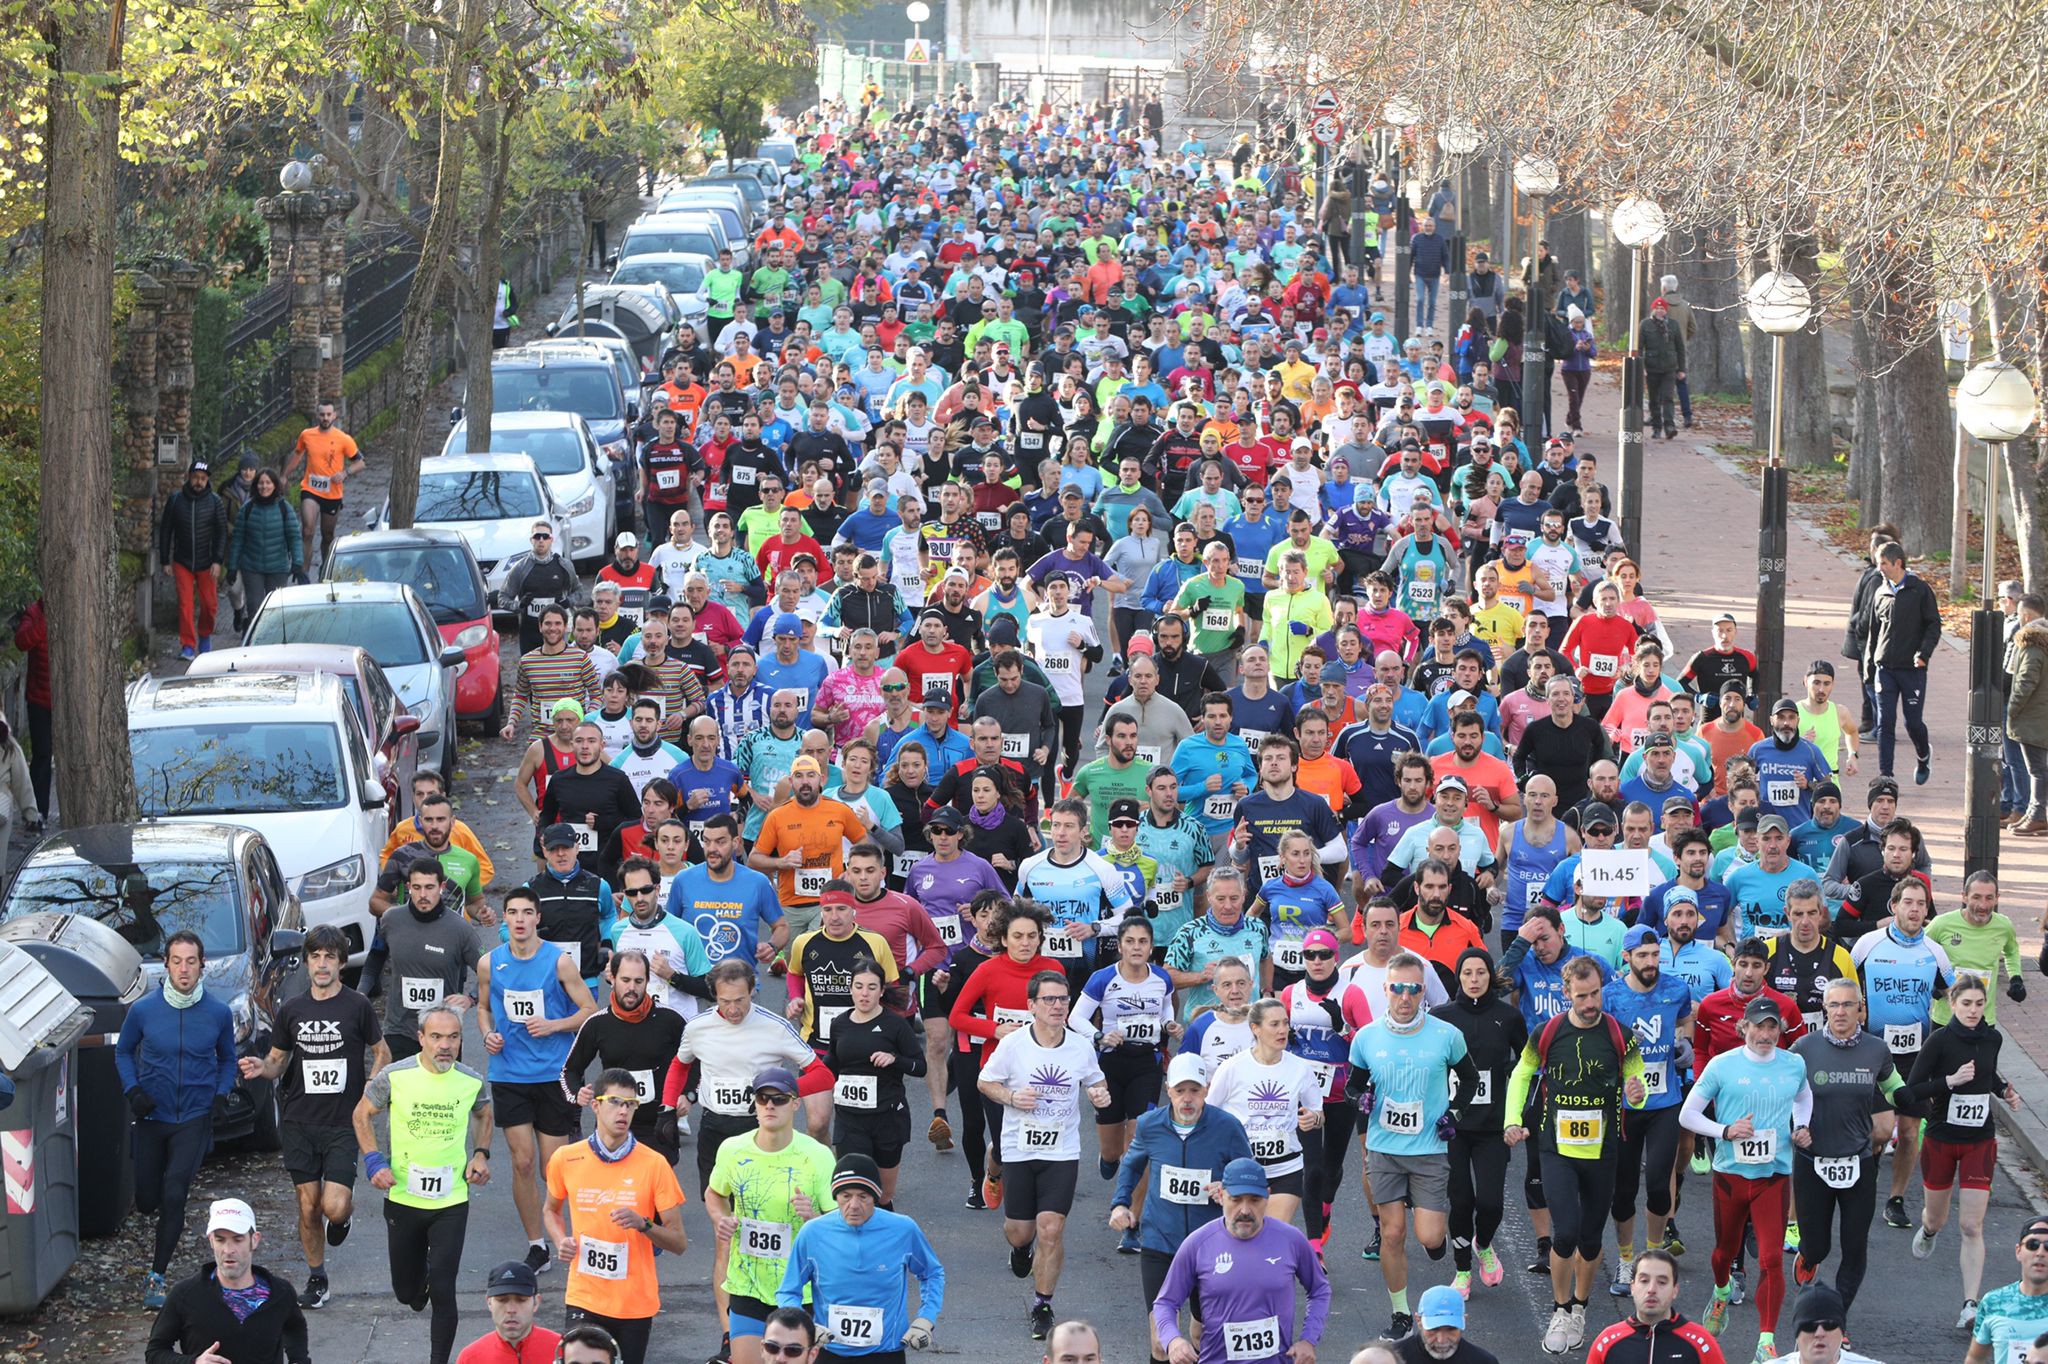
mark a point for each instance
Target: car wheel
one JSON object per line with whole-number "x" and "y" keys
{"x": 264, "y": 1136}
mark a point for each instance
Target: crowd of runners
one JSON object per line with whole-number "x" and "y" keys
{"x": 1130, "y": 683}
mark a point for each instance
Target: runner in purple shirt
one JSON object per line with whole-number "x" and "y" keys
{"x": 1372, "y": 842}
{"x": 1081, "y": 566}
{"x": 948, "y": 877}
{"x": 1244, "y": 1268}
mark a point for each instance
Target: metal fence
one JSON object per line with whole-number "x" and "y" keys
{"x": 258, "y": 369}
{"x": 374, "y": 294}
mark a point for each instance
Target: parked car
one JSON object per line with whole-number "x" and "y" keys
{"x": 659, "y": 233}
{"x": 679, "y": 272}
{"x": 749, "y": 181}
{"x": 392, "y": 727}
{"x": 585, "y": 382}
{"x": 562, "y": 448}
{"x": 222, "y": 881}
{"x": 781, "y": 150}
{"x": 393, "y": 625}
{"x": 729, "y": 206}
{"x": 283, "y": 754}
{"x": 443, "y": 573}
{"x": 691, "y": 218}
{"x": 491, "y": 501}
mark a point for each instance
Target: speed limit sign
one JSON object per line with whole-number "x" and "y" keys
{"x": 1327, "y": 130}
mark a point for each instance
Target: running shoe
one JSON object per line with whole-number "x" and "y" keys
{"x": 1702, "y": 1163}
{"x": 1490, "y": 1270}
{"x": 940, "y": 1133}
{"x": 153, "y": 1295}
{"x": 1672, "y": 1245}
{"x": 188, "y": 653}
{"x": 1766, "y": 1350}
{"x": 538, "y": 1259}
{"x": 1716, "y": 1318}
{"x": 1922, "y": 771}
{"x": 975, "y": 1202}
{"x": 337, "y": 1232}
{"x": 1401, "y": 1326}
{"x": 1020, "y": 1261}
{"x": 1105, "y": 1168}
{"x": 1541, "y": 1264}
{"x": 1578, "y": 1331}
{"x": 1041, "y": 1320}
{"x": 1557, "y": 1335}
{"x": 1372, "y": 1251}
{"x": 1802, "y": 1272}
{"x": 723, "y": 1355}
{"x": 1738, "y": 1284}
{"x": 1967, "y": 1318}
{"x": 1895, "y": 1213}
{"x": 316, "y": 1294}
{"x": 1624, "y": 1275}
{"x": 1462, "y": 1281}
{"x": 992, "y": 1191}
{"x": 1792, "y": 1236}
{"x": 1923, "y": 1242}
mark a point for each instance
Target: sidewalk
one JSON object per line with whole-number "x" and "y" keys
{"x": 1700, "y": 519}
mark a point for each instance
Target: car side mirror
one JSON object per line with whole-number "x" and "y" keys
{"x": 632, "y": 410}
{"x": 286, "y": 942}
{"x": 611, "y": 262}
{"x": 453, "y": 656}
{"x": 549, "y": 329}
{"x": 402, "y": 725}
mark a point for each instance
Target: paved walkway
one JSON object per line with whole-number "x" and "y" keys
{"x": 1700, "y": 518}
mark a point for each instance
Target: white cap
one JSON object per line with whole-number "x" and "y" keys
{"x": 1186, "y": 1068}
{"x": 626, "y": 537}
{"x": 230, "y": 1214}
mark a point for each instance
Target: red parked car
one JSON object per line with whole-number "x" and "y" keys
{"x": 440, "y": 569}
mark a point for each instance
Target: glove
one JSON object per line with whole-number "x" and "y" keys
{"x": 1297, "y": 627}
{"x": 665, "y": 1127}
{"x": 1681, "y": 1054}
{"x": 139, "y": 1103}
{"x": 2016, "y": 990}
{"x": 1446, "y": 1128}
{"x": 919, "y": 1336}
{"x": 220, "y": 1107}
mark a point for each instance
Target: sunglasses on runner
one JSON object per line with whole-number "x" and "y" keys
{"x": 1318, "y": 954}
{"x": 619, "y": 1101}
{"x": 773, "y": 1099}
{"x": 899, "y": 686}
{"x": 637, "y": 891}
{"x": 2034, "y": 1244}
{"x": 1400, "y": 987}
{"x": 787, "y": 1349}
{"x": 1821, "y": 1326}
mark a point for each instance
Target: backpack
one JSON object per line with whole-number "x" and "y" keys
{"x": 1616, "y": 1034}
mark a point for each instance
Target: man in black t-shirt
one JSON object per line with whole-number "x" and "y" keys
{"x": 325, "y": 1046}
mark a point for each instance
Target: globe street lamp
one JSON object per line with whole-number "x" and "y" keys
{"x": 1537, "y": 177}
{"x": 1996, "y": 404}
{"x": 1401, "y": 114}
{"x": 1458, "y": 141}
{"x": 1635, "y": 223}
{"x": 1779, "y": 305}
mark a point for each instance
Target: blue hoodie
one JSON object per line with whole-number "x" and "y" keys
{"x": 863, "y": 1267}
{"x": 1217, "y": 1139}
{"x": 182, "y": 1058}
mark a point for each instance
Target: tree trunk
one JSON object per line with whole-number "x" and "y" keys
{"x": 493, "y": 146}
{"x": 423, "y": 300}
{"x": 76, "y": 544}
{"x": 1614, "y": 294}
{"x": 1571, "y": 239}
{"x": 1913, "y": 420}
{"x": 1706, "y": 261}
{"x": 1866, "y": 480}
{"x": 1807, "y": 434}
{"x": 2023, "y": 479}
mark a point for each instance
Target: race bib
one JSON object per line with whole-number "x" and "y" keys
{"x": 949, "y": 928}
{"x": 1269, "y": 868}
{"x": 1140, "y": 1031}
{"x": 906, "y": 860}
{"x": 1839, "y": 1172}
{"x": 1031, "y": 440}
{"x": 762, "y": 1240}
{"x": 643, "y": 1086}
{"x": 744, "y": 477}
{"x": 1604, "y": 665}
{"x": 1247, "y": 1340}
{"x": 538, "y": 605}
{"x": 1969, "y": 1110}
{"x": 1269, "y": 1148}
{"x": 1252, "y": 737}
{"x": 1059, "y": 943}
{"x": 731, "y": 1098}
{"x": 1016, "y": 746}
{"x": 1219, "y": 620}
{"x": 1812, "y": 1019}
{"x": 668, "y": 480}
{"x": 810, "y": 881}
{"x": 522, "y": 1006}
{"x": 1423, "y": 595}
{"x": 602, "y": 1259}
{"x": 717, "y": 492}
{"x": 990, "y": 520}
{"x": 419, "y": 992}
{"x": 586, "y": 837}
{"x": 1581, "y": 1129}
{"x": 322, "y": 484}
{"x": 1251, "y": 568}
{"x": 826, "y": 1018}
{"x": 1169, "y": 901}
{"x": 1402, "y": 1119}
{"x": 323, "y": 1077}
{"x": 854, "y": 1091}
{"x": 1057, "y": 663}
{"x": 1325, "y": 1073}
{"x": 1184, "y": 1185}
{"x": 1781, "y": 792}
{"x": 1021, "y": 1017}
{"x": 1482, "y": 1093}
{"x": 1902, "y": 1039}
{"x": 1532, "y": 894}
{"x": 430, "y": 1181}
{"x": 856, "y": 1326}
{"x": 1038, "y": 1135}
{"x": 1220, "y": 807}
{"x": 1147, "y": 754}
{"x": 1656, "y": 1078}
{"x": 1758, "y": 1148}
{"x": 1287, "y": 954}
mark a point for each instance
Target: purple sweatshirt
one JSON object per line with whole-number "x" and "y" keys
{"x": 945, "y": 888}
{"x": 1372, "y": 843}
{"x": 1247, "y": 1290}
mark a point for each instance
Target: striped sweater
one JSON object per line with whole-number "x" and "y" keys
{"x": 542, "y": 678}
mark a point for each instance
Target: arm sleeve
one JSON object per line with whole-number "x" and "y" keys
{"x": 1693, "y": 1117}
{"x": 1520, "y": 1081}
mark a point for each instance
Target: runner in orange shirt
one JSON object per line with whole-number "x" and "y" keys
{"x": 1322, "y": 771}
{"x": 326, "y": 452}
{"x": 1491, "y": 782}
{"x": 800, "y": 843}
{"x": 621, "y": 1200}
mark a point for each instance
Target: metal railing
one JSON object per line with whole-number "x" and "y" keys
{"x": 258, "y": 361}
{"x": 374, "y": 294}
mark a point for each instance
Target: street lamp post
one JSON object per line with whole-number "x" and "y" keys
{"x": 1635, "y": 223}
{"x": 1458, "y": 141}
{"x": 1401, "y": 114}
{"x": 1537, "y": 177}
{"x": 1996, "y": 404}
{"x": 1779, "y": 305}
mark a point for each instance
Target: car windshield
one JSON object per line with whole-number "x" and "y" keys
{"x": 237, "y": 769}
{"x": 694, "y": 241}
{"x": 556, "y": 451}
{"x": 479, "y": 495}
{"x": 387, "y": 629}
{"x": 144, "y": 903}
{"x": 439, "y": 575}
{"x": 679, "y": 277}
{"x": 585, "y": 389}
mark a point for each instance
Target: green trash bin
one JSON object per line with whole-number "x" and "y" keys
{"x": 40, "y": 1025}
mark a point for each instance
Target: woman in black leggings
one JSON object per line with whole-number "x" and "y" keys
{"x": 1494, "y": 1037}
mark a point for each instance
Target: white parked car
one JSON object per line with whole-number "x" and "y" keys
{"x": 680, "y": 272}
{"x": 564, "y": 450}
{"x": 280, "y": 753}
{"x": 492, "y": 501}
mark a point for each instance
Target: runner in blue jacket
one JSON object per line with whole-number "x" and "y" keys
{"x": 852, "y": 1261}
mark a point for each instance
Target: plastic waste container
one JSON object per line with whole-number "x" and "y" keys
{"x": 40, "y": 1026}
{"x": 104, "y": 973}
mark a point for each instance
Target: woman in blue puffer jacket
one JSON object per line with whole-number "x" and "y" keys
{"x": 265, "y": 546}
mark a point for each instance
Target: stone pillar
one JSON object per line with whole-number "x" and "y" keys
{"x": 309, "y": 256}
{"x": 136, "y": 373}
{"x": 336, "y": 206}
